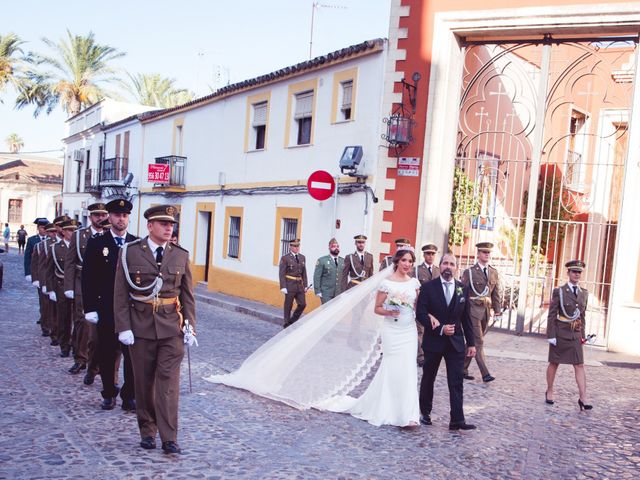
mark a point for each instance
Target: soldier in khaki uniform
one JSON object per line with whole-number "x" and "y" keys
{"x": 154, "y": 307}
{"x": 388, "y": 260}
{"x": 358, "y": 266}
{"x": 326, "y": 276}
{"x": 485, "y": 293}
{"x": 31, "y": 269}
{"x": 426, "y": 271}
{"x": 566, "y": 331}
{"x": 46, "y": 274}
{"x": 83, "y": 331}
{"x": 293, "y": 282}
{"x": 55, "y": 285}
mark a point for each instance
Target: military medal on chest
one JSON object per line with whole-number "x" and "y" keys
{"x": 105, "y": 252}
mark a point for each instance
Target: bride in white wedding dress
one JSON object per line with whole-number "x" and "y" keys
{"x": 323, "y": 357}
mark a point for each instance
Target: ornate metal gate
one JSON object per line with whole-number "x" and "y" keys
{"x": 542, "y": 142}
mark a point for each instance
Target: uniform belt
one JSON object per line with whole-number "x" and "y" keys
{"x": 79, "y": 267}
{"x": 291, "y": 277}
{"x": 564, "y": 319}
{"x": 156, "y": 302}
{"x": 355, "y": 281}
{"x": 480, "y": 297}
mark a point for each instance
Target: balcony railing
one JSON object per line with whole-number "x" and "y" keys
{"x": 92, "y": 180}
{"x": 113, "y": 170}
{"x": 176, "y": 169}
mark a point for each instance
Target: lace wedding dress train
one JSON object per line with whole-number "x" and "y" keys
{"x": 319, "y": 360}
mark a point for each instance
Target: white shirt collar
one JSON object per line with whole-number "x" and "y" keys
{"x": 95, "y": 232}
{"x": 443, "y": 281}
{"x": 481, "y": 265}
{"x": 113, "y": 234}
{"x": 154, "y": 246}
{"x": 572, "y": 284}
{"x": 66, "y": 243}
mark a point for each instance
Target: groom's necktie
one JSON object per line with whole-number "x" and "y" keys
{"x": 447, "y": 292}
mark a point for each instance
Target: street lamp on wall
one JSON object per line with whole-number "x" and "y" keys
{"x": 400, "y": 123}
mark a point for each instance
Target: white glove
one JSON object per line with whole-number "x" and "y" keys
{"x": 552, "y": 341}
{"x": 319, "y": 294}
{"x": 36, "y": 283}
{"x": 52, "y": 296}
{"x": 44, "y": 289}
{"x": 497, "y": 318}
{"x": 284, "y": 290}
{"x": 126, "y": 337}
{"x": 189, "y": 335}
{"x": 28, "y": 278}
{"x": 91, "y": 317}
{"x": 69, "y": 294}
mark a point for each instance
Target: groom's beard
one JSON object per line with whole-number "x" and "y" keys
{"x": 447, "y": 274}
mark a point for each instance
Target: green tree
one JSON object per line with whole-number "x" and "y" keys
{"x": 75, "y": 76}
{"x": 464, "y": 206}
{"x": 14, "y": 142}
{"x": 13, "y": 65}
{"x": 157, "y": 91}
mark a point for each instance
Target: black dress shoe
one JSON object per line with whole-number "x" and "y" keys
{"x": 547, "y": 400}
{"x": 65, "y": 353}
{"x": 54, "y": 343}
{"x": 129, "y": 406}
{"x": 461, "y": 426}
{"x": 45, "y": 333}
{"x": 77, "y": 368}
{"x": 420, "y": 363}
{"x": 488, "y": 378}
{"x": 170, "y": 447}
{"x": 466, "y": 376}
{"x": 108, "y": 403}
{"x": 148, "y": 443}
{"x": 425, "y": 420}
{"x": 88, "y": 378}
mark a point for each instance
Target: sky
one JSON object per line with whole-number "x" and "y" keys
{"x": 200, "y": 43}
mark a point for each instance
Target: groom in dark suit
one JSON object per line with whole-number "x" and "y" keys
{"x": 443, "y": 310}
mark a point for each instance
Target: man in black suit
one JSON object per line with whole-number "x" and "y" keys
{"x": 98, "y": 278}
{"x": 445, "y": 300}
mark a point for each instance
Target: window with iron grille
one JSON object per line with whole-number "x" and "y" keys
{"x": 15, "y": 210}
{"x": 234, "y": 237}
{"x": 304, "y": 117}
{"x": 345, "y": 104}
{"x": 289, "y": 232}
{"x": 259, "y": 124}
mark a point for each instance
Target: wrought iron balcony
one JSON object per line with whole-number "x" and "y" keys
{"x": 92, "y": 180}
{"x": 113, "y": 170}
{"x": 176, "y": 170}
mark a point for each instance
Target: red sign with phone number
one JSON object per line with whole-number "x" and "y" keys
{"x": 158, "y": 173}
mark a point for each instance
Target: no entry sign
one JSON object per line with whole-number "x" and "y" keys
{"x": 321, "y": 185}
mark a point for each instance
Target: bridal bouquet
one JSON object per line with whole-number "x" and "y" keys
{"x": 397, "y": 302}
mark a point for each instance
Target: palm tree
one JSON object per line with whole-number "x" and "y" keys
{"x": 73, "y": 77}
{"x": 14, "y": 142}
{"x": 156, "y": 91}
{"x": 12, "y": 62}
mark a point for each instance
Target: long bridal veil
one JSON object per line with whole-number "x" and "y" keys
{"x": 324, "y": 354}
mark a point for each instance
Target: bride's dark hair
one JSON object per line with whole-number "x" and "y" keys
{"x": 401, "y": 253}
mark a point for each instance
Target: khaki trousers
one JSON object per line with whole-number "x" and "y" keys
{"x": 156, "y": 373}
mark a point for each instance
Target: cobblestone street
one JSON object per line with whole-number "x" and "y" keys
{"x": 53, "y": 426}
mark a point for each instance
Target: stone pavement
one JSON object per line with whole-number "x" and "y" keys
{"x": 52, "y": 426}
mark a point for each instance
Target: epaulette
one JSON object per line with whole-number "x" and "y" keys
{"x": 180, "y": 247}
{"x": 133, "y": 242}
{"x": 492, "y": 267}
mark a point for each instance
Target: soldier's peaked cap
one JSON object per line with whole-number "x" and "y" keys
{"x": 119, "y": 205}
{"x": 97, "y": 207}
{"x": 295, "y": 242}
{"x": 484, "y": 246}
{"x": 577, "y": 265}
{"x": 333, "y": 240}
{"x": 360, "y": 237}
{"x": 429, "y": 247}
{"x": 60, "y": 219}
{"x": 70, "y": 224}
{"x": 41, "y": 221}
{"x": 50, "y": 227}
{"x": 165, "y": 213}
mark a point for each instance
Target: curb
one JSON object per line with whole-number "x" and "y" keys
{"x": 237, "y": 307}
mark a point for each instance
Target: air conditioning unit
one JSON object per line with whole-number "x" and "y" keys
{"x": 78, "y": 155}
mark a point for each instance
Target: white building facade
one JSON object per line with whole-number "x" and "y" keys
{"x": 85, "y": 149}
{"x": 239, "y": 161}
